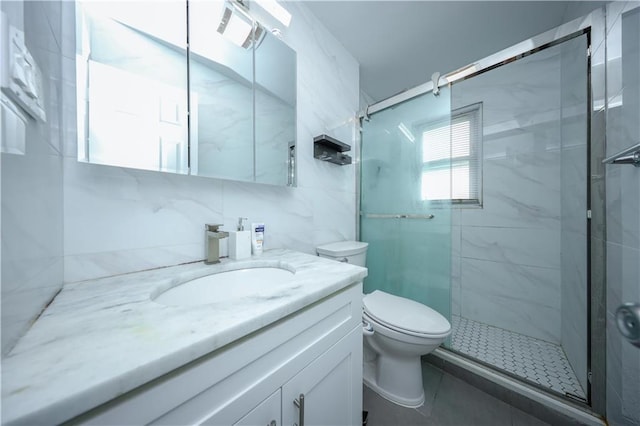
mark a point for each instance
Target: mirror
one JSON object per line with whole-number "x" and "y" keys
{"x": 275, "y": 111}
{"x": 235, "y": 121}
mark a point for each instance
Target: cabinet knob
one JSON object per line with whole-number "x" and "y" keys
{"x": 272, "y": 423}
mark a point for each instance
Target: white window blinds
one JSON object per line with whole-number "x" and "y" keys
{"x": 451, "y": 158}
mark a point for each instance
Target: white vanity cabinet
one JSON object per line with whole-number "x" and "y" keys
{"x": 327, "y": 386}
{"x": 316, "y": 351}
{"x": 268, "y": 413}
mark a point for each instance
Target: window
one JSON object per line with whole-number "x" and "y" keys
{"x": 452, "y": 171}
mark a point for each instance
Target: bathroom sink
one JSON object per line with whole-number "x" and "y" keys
{"x": 224, "y": 286}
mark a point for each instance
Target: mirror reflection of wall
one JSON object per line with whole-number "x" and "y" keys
{"x": 132, "y": 91}
{"x": 275, "y": 108}
{"x": 222, "y": 76}
{"x": 132, "y": 81}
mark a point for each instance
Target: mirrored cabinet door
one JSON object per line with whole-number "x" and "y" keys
{"x": 221, "y": 78}
{"x": 275, "y": 110}
{"x": 201, "y": 89}
{"x": 132, "y": 85}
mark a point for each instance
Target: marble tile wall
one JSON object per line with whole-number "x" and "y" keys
{"x": 32, "y": 184}
{"x": 119, "y": 220}
{"x": 623, "y": 208}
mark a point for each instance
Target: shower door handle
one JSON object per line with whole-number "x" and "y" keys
{"x": 396, "y": 216}
{"x": 628, "y": 321}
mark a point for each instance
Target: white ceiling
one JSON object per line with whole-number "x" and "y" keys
{"x": 399, "y": 44}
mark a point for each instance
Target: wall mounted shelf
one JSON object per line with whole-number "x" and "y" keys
{"x": 329, "y": 149}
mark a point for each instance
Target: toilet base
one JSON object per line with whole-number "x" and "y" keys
{"x": 369, "y": 379}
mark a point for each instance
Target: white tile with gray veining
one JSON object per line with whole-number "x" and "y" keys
{"x": 524, "y": 299}
{"x": 523, "y": 246}
{"x": 32, "y": 186}
{"x": 519, "y": 192}
{"x": 623, "y": 208}
{"x": 70, "y": 360}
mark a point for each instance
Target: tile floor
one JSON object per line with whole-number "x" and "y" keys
{"x": 449, "y": 401}
{"x": 533, "y": 359}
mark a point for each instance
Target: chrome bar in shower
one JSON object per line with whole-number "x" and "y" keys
{"x": 629, "y": 155}
{"x": 396, "y": 216}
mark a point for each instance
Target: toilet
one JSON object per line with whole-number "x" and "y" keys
{"x": 397, "y": 332}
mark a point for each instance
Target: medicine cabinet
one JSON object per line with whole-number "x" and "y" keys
{"x": 200, "y": 89}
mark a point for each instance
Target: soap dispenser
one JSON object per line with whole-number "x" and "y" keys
{"x": 240, "y": 242}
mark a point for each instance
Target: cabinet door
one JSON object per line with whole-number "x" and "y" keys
{"x": 331, "y": 385}
{"x": 265, "y": 414}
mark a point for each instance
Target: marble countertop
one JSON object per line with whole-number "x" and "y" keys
{"x": 101, "y": 338}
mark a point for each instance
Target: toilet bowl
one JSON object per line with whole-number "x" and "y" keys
{"x": 397, "y": 332}
{"x": 400, "y": 332}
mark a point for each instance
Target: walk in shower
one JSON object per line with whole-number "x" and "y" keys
{"x": 475, "y": 202}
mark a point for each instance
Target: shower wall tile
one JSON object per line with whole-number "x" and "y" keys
{"x": 120, "y": 220}
{"x": 623, "y": 203}
{"x": 523, "y": 299}
{"x": 519, "y": 191}
{"x": 623, "y": 210}
{"x": 511, "y": 138}
{"x": 621, "y": 129}
{"x": 32, "y": 187}
{"x": 530, "y": 247}
{"x": 623, "y": 359}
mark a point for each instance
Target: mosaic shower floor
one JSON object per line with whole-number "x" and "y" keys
{"x": 532, "y": 359}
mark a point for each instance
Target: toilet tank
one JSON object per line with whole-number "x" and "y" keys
{"x": 354, "y": 252}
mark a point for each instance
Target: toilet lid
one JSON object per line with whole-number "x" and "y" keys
{"x": 404, "y": 314}
{"x": 342, "y": 248}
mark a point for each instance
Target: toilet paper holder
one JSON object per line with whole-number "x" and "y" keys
{"x": 628, "y": 321}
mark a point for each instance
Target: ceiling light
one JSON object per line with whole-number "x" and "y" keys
{"x": 276, "y": 10}
{"x": 235, "y": 28}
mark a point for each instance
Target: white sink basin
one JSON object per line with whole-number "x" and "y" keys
{"x": 224, "y": 286}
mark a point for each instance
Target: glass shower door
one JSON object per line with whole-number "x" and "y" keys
{"x": 403, "y": 218}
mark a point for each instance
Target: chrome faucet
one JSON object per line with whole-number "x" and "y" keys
{"x": 212, "y": 246}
